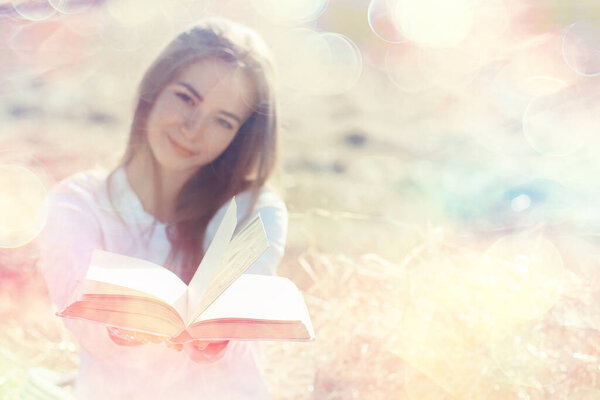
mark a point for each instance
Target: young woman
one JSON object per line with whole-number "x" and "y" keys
{"x": 204, "y": 129}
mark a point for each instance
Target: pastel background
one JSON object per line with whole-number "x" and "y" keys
{"x": 440, "y": 169}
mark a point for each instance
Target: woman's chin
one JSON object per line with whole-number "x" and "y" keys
{"x": 182, "y": 166}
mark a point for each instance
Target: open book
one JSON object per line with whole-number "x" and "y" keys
{"x": 220, "y": 302}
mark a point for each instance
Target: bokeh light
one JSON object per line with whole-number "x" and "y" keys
{"x": 380, "y": 19}
{"x": 119, "y": 36}
{"x": 497, "y": 98}
{"x": 181, "y": 13}
{"x": 296, "y": 71}
{"x": 491, "y": 23}
{"x": 126, "y": 26}
{"x": 437, "y": 23}
{"x": 319, "y": 63}
{"x": 71, "y": 6}
{"x": 524, "y": 274}
{"x": 22, "y": 211}
{"x": 495, "y": 121}
{"x": 415, "y": 69}
{"x": 465, "y": 122}
{"x": 527, "y": 271}
{"x": 344, "y": 65}
{"x": 46, "y": 48}
{"x": 290, "y": 12}
{"x": 442, "y": 331}
{"x": 33, "y": 10}
{"x": 520, "y": 203}
{"x": 581, "y": 47}
{"x": 85, "y": 24}
{"x": 518, "y": 279}
{"x": 403, "y": 67}
{"x": 515, "y": 85}
{"x": 463, "y": 306}
{"x": 133, "y": 12}
{"x": 560, "y": 123}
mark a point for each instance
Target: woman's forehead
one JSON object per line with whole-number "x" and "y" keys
{"x": 214, "y": 73}
{"x": 213, "y": 69}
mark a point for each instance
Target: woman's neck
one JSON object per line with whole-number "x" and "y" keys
{"x": 140, "y": 179}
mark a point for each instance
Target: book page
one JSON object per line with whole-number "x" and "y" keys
{"x": 250, "y": 330}
{"x": 212, "y": 258}
{"x": 260, "y": 298}
{"x": 130, "y": 313}
{"x": 137, "y": 274}
{"x": 245, "y": 248}
{"x": 134, "y": 309}
{"x": 88, "y": 286}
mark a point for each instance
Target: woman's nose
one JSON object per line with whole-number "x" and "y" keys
{"x": 192, "y": 124}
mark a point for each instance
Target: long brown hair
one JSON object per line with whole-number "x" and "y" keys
{"x": 248, "y": 161}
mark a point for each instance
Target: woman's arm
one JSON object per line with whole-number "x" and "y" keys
{"x": 66, "y": 243}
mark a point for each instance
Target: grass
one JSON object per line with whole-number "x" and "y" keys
{"x": 436, "y": 325}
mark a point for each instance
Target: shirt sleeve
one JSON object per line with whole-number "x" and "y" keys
{"x": 66, "y": 243}
{"x": 274, "y": 215}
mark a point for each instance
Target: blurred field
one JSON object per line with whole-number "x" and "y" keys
{"x": 443, "y": 196}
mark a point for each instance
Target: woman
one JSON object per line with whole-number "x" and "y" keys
{"x": 204, "y": 130}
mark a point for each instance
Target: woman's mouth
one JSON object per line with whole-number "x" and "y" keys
{"x": 179, "y": 149}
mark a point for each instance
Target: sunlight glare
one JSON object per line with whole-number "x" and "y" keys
{"x": 415, "y": 69}
{"x": 119, "y": 36}
{"x": 419, "y": 387}
{"x": 70, "y": 6}
{"x": 523, "y": 274}
{"x": 581, "y": 48}
{"x": 319, "y": 63}
{"x": 381, "y": 23}
{"x": 560, "y": 123}
{"x": 460, "y": 306}
{"x": 134, "y": 12}
{"x": 290, "y": 12}
{"x": 22, "y": 209}
{"x": 520, "y": 203}
{"x": 33, "y": 10}
{"x": 531, "y": 355}
{"x": 435, "y": 23}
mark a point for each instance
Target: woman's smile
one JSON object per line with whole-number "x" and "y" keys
{"x": 179, "y": 149}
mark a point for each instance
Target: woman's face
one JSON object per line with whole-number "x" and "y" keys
{"x": 197, "y": 116}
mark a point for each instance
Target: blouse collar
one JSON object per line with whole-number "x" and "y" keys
{"x": 127, "y": 201}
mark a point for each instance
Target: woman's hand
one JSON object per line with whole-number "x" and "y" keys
{"x": 201, "y": 351}
{"x": 125, "y": 337}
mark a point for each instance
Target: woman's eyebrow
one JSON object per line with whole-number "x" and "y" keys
{"x": 200, "y": 98}
{"x": 191, "y": 89}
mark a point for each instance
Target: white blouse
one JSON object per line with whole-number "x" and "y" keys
{"x": 81, "y": 219}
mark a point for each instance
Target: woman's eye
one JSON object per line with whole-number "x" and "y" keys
{"x": 185, "y": 98}
{"x": 225, "y": 124}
